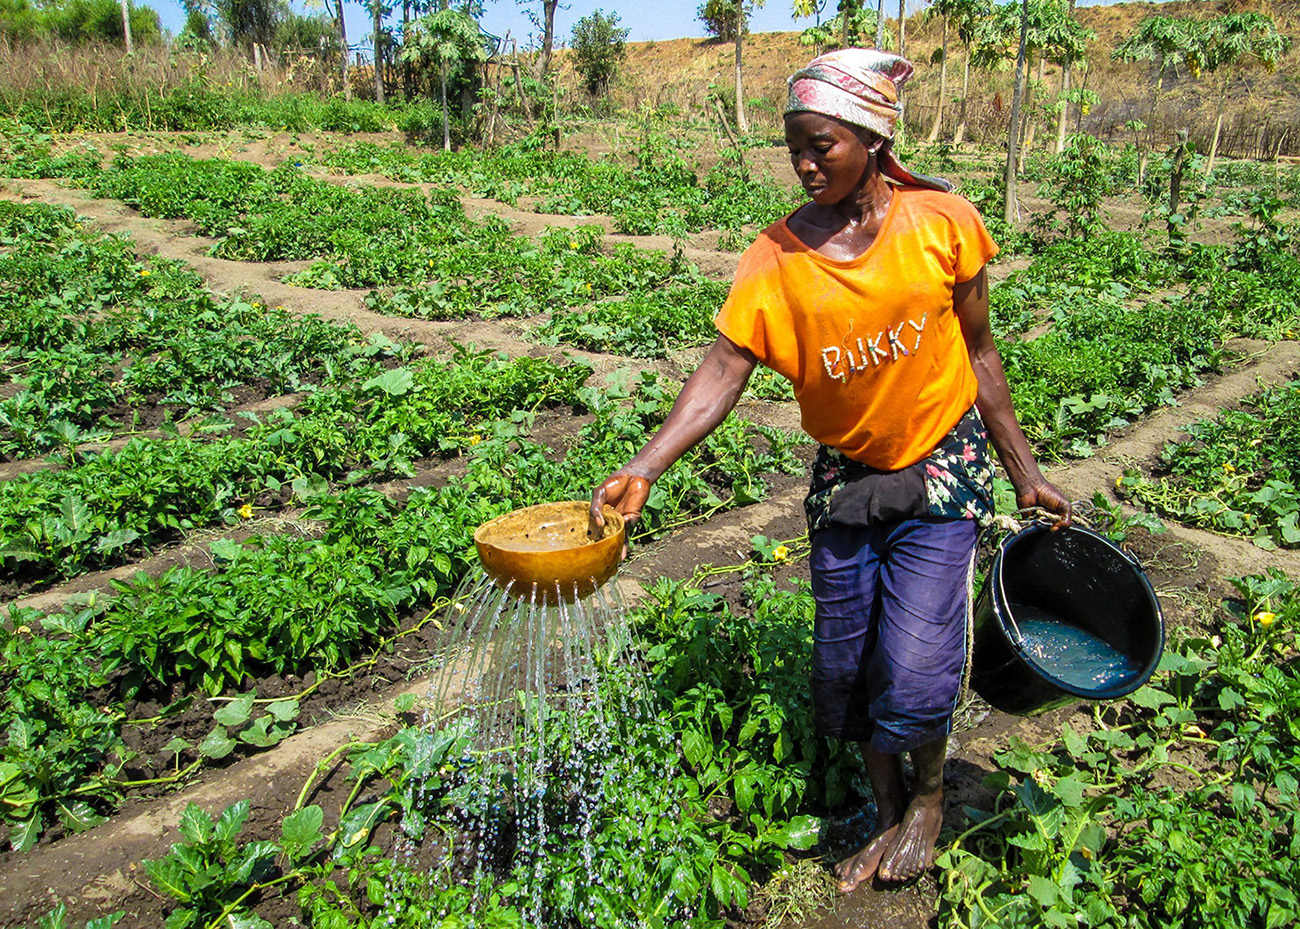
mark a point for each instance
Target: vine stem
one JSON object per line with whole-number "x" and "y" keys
{"x": 234, "y": 904}
{"x": 320, "y": 768}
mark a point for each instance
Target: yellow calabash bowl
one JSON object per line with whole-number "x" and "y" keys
{"x": 545, "y": 551}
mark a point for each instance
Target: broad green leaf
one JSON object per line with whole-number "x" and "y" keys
{"x": 801, "y": 832}
{"x": 1070, "y": 790}
{"x": 236, "y": 712}
{"x": 247, "y": 921}
{"x": 231, "y": 820}
{"x": 300, "y": 831}
{"x": 697, "y": 747}
{"x": 1151, "y": 698}
{"x": 395, "y": 382}
{"x": 8, "y": 773}
{"x": 20, "y": 550}
{"x": 405, "y": 703}
{"x": 1075, "y": 744}
{"x": 168, "y": 877}
{"x": 226, "y": 549}
{"x": 783, "y": 746}
{"x": 356, "y": 825}
{"x": 118, "y": 538}
{"x": 195, "y": 825}
{"x": 218, "y": 744}
{"x": 78, "y": 816}
{"x": 1043, "y": 890}
{"x": 284, "y": 710}
{"x": 181, "y": 918}
{"x": 24, "y": 833}
{"x": 252, "y": 859}
{"x": 76, "y": 515}
{"x": 265, "y": 732}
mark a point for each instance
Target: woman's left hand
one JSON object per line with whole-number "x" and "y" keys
{"x": 1048, "y": 497}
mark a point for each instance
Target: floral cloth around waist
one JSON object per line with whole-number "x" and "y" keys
{"x": 957, "y": 476}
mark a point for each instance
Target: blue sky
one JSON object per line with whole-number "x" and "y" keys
{"x": 645, "y": 20}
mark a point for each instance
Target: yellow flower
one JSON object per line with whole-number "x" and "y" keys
{"x": 24, "y": 630}
{"x": 1119, "y": 482}
{"x": 1265, "y": 618}
{"x": 1196, "y": 731}
{"x": 574, "y": 244}
{"x": 475, "y": 439}
{"x": 780, "y": 553}
{"x": 245, "y": 511}
{"x": 1228, "y": 469}
{"x": 144, "y": 272}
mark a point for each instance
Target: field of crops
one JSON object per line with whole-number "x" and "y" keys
{"x": 259, "y": 390}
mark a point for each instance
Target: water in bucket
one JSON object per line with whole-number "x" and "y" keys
{"x": 1069, "y": 652}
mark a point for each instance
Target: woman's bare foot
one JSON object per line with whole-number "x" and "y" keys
{"x": 863, "y": 866}
{"x": 912, "y": 851}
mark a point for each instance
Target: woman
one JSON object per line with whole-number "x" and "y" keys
{"x": 873, "y": 300}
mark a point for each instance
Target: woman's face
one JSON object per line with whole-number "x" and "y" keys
{"x": 830, "y": 157}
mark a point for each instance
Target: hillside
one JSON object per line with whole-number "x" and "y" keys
{"x": 1263, "y": 111}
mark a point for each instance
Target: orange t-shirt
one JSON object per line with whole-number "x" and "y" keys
{"x": 872, "y": 346}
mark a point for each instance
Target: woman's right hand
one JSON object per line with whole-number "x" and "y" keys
{"x": 626, "y": 493}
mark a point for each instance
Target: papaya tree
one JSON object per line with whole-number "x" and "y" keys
{"x": 1231, "y": 41}
{"x": 851, "y": 27}
{"x": 447, "y": 41}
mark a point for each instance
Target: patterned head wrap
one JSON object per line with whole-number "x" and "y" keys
{"x": 860, "y": 87}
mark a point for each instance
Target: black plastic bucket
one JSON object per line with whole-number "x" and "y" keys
{"x": 1074, "y": 585}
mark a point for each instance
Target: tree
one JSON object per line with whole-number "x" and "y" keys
{"x": 126, "y": 26}
{"x": 446, "y": 40}
{"x": 729, "y": 19}
{"x": 1229, "y": 41}
{"x": 1167, "y": 42}
{"x": 251, "y": 21}
{"x": 966, "y": 15}
{"x": 380, "y": 40}
{"x": 77, "y": 21}
{"x": 851, "y": 27}
{"x": 1215, "y": 46}
{"x": 598, "y": 48}
{"x": 720, "y": 18}
{"x": 546, "y": 23}
{"x": 1011, "y": 206}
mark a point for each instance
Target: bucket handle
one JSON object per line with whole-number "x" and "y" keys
{"x": 1010, "y": 525}
{"x": 1019, "y": 640}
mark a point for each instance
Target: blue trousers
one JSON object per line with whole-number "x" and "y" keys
{"x": 889, "y": 642}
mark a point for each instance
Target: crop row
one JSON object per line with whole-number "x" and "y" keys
{"x": 280, "y": 605}
{"x": 106, "y": 507}
{"x": 656, "y": 190}
{"x": 373, "y": 237}
{"x": 1237, "y": 473}
{"x": 89, "y": 330}
{"x": 727, "y": 777}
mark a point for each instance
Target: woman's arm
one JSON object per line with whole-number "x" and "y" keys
{"x": 971, "y": 303}
{"x": 707, "y": 397}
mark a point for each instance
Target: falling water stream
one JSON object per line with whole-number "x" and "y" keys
{"x": 536, "y": 687}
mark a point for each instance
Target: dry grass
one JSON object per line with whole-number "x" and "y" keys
{"x": 33, "y": 69}
{"x": 1262, "y": 113}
